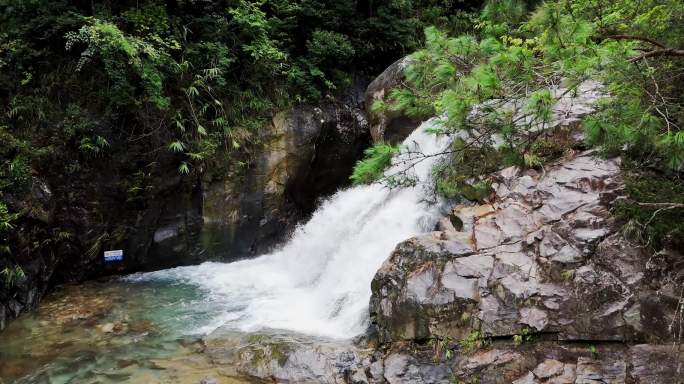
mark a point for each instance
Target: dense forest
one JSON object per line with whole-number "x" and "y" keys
{"x": 136, "y": 90}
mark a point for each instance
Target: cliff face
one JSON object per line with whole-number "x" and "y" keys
{"x": 307, "y": 153}
{"x": 537, "y": 286}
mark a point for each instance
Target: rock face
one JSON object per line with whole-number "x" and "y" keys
{"x": 308, "y": 153}
{"x": 570, "y": 364}
{"x": 23, "y": 292}
{"x": 542, "y": 256}
{"x": 540, "y": 263}
{"x": 388, "y": 125}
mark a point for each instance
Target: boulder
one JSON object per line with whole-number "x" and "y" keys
{"x": 552, "y": 363}
{"x": 542, "y": 257}
{"x": 387, "y": 125}
{"x": 286, "y": 357}
{"x": 408, "y": 368}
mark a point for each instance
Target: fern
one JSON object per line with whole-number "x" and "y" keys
{"x": 177, "y": 146}
{"x": 184, "y": 168}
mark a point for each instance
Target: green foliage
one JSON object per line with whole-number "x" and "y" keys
{"x": 473, "y": 341}
{"x": 127, "y": 60}
{"x": 6, "y": 227}
{"x": 11, "y": 275}
{"x": 371, "y": 168}
{"x": 594, "y": 351}
{"x": 327, "y": 47}
{"x": 204, "y": 75}
{"x": 460, "y": 175}
{"x": 653, "y": 225}
{"x": 525, "y": 336}
{"x": 568, "y": 275}
{"x": 495, "y": 82}
{"x": 441, "y": 347}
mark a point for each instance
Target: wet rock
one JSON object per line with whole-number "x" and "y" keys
{"x": 308, "y": 152}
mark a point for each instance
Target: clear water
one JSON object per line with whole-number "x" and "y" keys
{"x": 145, "y": 327}
{"x": 112, "y": 332}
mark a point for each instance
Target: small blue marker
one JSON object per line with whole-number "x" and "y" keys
{"x": 116, "y": 255}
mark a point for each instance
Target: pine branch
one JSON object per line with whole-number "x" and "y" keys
{"x": 651, "y": 205}
{"x": 639, "y": 38}
{"x": 663, "y": 51}
{"x": 659, "y": 52}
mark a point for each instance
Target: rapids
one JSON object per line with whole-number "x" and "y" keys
{"x": 318, "y": 283}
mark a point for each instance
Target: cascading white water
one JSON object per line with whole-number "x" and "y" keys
{"x": 319, "y": 282}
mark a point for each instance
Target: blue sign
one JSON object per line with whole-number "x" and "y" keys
{"x": 116, "y": 255}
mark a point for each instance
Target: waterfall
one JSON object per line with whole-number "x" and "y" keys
{"x": 318, "y": 283}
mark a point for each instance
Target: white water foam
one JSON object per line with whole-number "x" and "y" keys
{"x": 318, "y": 283}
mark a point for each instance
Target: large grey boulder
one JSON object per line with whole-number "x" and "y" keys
{"x": 542, "y": 257}
{"x": 388, "y": 125}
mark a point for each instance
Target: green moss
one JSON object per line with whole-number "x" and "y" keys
{"x": 456, "y": 222}
{"x": 265, "y": 347}
{"x": 280, "y": 352}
